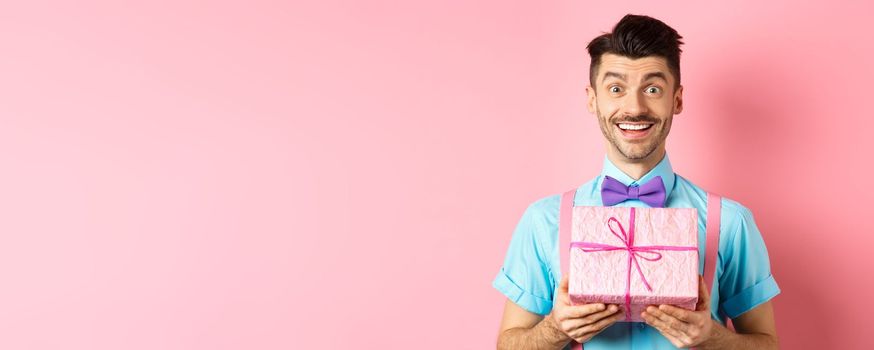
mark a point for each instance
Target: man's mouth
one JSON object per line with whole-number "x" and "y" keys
{"x": 635, "y": 130}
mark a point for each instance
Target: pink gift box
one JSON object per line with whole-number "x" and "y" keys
{"x": 616, "y": 252}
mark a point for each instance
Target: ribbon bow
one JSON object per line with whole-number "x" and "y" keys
{"x": 648, "y": 253}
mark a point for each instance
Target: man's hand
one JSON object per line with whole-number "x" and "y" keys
{"x": 682, "y": 327}
{"x": 581, "y": 322}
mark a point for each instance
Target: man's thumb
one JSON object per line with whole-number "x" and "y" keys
{"x": 703, "y": 295}
{"x": 562, "y": 287}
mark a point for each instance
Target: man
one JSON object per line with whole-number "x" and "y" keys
{"x": 635, "y": 91}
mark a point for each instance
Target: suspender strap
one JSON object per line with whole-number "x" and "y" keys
{"x": 711, "y": 258}
{"x": 711, "y": 250}
{"x": 565, "y": 213}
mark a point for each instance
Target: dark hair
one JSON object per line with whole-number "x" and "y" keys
{"x": 636, "y": 37}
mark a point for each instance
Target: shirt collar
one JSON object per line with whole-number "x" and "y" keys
{"x": 663, "y": 169}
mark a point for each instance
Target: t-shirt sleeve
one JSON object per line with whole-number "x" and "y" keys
{"x": 525, "y": 277}
{"x": 746, "y": 280}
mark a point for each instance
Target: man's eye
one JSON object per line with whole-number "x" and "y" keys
{"x": 615, "y": 89}
{"x": 653, "y": 90}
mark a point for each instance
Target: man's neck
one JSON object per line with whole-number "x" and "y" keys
{"x": 636, "y": 168}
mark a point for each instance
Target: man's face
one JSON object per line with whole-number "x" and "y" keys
{"x": 635, "y": 101}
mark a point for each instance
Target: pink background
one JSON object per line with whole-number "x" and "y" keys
{"x": 265, "y": 175}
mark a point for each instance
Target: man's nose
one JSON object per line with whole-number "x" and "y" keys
{"x": 635, "y": 104}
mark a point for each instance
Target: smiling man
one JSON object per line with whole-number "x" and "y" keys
{"x": 635, "y": 92}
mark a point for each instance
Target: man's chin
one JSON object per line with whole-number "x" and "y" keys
{"x": 636, "y": 153}
{"x": 634, "y": 157}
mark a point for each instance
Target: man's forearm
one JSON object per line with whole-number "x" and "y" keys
{"x": 725, "y": 339}
{"x": 545, "y": 335}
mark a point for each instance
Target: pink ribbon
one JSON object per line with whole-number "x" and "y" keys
{"x": 633, "y": 253}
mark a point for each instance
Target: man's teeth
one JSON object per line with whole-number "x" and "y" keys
{"x": 634, "y": 126}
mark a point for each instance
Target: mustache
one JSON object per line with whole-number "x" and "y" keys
{"x": 637, "y": 119}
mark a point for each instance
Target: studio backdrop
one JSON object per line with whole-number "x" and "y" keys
{"x": 348, "y": 174}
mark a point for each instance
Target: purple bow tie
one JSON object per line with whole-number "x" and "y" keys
{"x": 652, "y": 192}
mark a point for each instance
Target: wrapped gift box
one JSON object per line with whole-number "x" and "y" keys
{"x": 663, "y": 255}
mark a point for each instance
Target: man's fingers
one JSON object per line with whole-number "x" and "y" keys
{"x": 588, "y": 332}
{"x": 662, "y": 326}
{"x": 578, "y": 327}
{"x": 680, "y": 313}
{"x": 580, "y": 311}
{"x": 592, "y": 318}
{"x": 596, "y": 317}
{"x": 671, "y": 321}
{"x": 601, "y": 324}
{"x": 673, "y": 339}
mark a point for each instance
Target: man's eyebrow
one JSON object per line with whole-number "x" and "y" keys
{"x": 613, "y": 74}
{"x": 649, "y": 76}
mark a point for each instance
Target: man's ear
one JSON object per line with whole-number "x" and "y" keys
{"x": 592, "y": 104}
{"x": 678, "y": 100}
